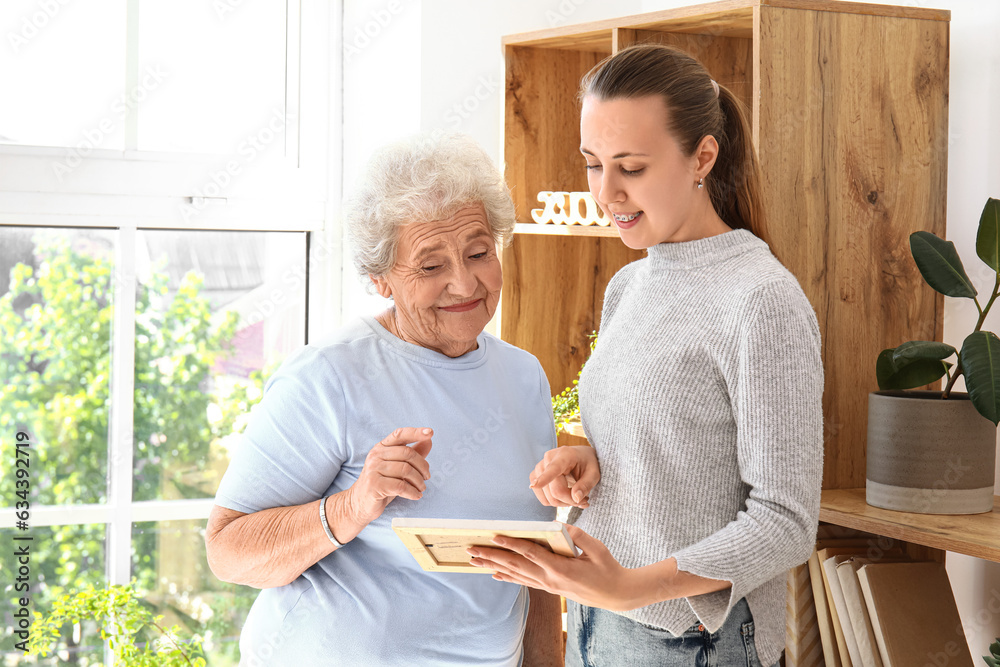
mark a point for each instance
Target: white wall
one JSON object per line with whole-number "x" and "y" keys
{"x": 383, "y": 87}
{"x": 438, "y": 64}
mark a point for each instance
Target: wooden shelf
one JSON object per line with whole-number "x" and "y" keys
{"x": 975, "y": 535}
{"x": 726, "y": 18}
{"x": 573, "y": 435}
{"x": 564, "y": 230}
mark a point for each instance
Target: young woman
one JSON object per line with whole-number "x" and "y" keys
{"x": 702, "y": 399}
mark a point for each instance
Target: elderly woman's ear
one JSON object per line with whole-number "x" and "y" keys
{"x": 381, "y": 286}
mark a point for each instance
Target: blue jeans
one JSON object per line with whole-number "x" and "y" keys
{"x": 599, "y": 638}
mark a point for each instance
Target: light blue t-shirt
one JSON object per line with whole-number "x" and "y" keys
{"x": 369, "y": 603}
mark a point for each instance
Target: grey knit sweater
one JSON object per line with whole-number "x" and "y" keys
{"x": 703, "y": 399}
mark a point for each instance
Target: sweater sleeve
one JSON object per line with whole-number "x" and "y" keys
{"x": 294, "y": 444}
{"x": 777, "y": 406}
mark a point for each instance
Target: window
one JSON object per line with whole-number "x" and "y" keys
{"x": 150, "y": 279}
{"x": 212, "y": 313}
{"x": 227, "y": 128}
{"x": 65, "y": 557}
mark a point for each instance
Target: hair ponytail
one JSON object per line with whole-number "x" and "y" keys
{"x": 734, "y": 184}
{"x": 694, "y": 110}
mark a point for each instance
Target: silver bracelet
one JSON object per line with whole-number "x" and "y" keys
{"x": 326, "y": 526}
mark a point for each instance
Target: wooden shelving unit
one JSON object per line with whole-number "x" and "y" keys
{"x": 849, "y": 109}
{"x": 976, "y": 535}
{"x": 565, "y": 230}
{"x": 852, "y": 166}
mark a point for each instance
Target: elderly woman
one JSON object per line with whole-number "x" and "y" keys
{"x": 413, "y": 413}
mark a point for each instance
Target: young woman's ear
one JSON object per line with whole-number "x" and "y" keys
{"x": 705, "y": 155}
{"x": 381, "y": 286}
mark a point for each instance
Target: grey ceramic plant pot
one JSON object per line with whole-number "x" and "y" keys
{"x": 929, "y": 455}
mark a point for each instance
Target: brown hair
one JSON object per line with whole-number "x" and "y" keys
{"x": 693, "y": 112}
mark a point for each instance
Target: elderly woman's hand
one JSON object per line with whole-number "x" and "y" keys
{"x": 565, "y": 476}
{"x": 392, "y": 469}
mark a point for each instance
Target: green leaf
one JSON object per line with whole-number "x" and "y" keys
{"x": 921, "y": 349}
{"x": 884, "y": 368}
{"x": 907, "y": 374}
{"x": 988, "y": 236}
{"x": 940, "y": 265}
{"x": 981, "y": 363}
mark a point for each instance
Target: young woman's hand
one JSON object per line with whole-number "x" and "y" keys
{"x": 594, "y": 578}
{"x": 565, "y": 476}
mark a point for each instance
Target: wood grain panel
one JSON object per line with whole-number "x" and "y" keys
{"x": 734, "y": 23}
{"x": 553, "y": 284}
{"x": 542, "y": 123}
{"x": 729, "y": 17}
{"x": 728, "y": 59}
{"x": 976, "y": 535}
{"x": 553, "y": 294}
{"x": 565, "y": 230}
{"x": 573, "y": 436}
{"x": 851, "y": 126}
{"x": 844, "y": 7}
{"x": 733, "y": 18}
{"x": 563, "y": 38}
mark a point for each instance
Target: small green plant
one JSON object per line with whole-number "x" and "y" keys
{"x": 122, "y": 615}
{"x": 993, "y": 660}
{"x": 921, "y": 362}
{"x": 566, "y": 404}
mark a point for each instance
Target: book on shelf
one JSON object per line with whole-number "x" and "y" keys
{"x": 856, "y": 611}
{"x": 844, "y": 639}
{"x": 913, "y": 614}
{"x": 831, "y": 656}
{"x": 844, "y": 542}
{"x": 835, "y": 599}
{"x": 829, "y": 620}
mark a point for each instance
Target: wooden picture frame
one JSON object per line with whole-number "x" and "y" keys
{"x": 439, "y": 545}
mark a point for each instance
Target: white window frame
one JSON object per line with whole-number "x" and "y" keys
{"x": 134, "y": 190}
{"x": 154, "y": 189}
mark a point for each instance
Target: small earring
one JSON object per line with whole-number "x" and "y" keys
{"x": 701, "y": 183}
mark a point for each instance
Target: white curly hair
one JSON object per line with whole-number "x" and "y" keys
{"x": 424, "y": 178}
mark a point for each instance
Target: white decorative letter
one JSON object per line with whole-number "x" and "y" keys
{"x": 564, "y": 208}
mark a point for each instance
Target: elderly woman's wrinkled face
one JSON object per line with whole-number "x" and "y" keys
{"x": 446, "y": 281}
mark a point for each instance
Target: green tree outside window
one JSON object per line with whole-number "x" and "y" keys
{"x": 55, "y": 365}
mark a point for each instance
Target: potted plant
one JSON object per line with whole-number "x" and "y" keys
{"x": 123, "y": 617}
{"x": 934, "y": 452}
